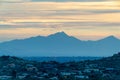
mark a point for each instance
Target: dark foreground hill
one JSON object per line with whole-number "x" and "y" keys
{"x": 60, "y": 44}
{"x": 14, "y": 68}
{"x": 113, "y": 61}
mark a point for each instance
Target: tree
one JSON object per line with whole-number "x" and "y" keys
{"x": 14, "y": 74}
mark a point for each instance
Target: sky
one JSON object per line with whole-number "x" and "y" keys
{"x": 84, "y": 19}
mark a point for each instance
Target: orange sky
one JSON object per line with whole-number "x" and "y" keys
{"x": 84, "y": 20}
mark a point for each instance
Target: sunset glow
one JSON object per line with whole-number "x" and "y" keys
{"x": 85, "y": 20}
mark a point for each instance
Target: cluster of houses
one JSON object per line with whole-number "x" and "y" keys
{"x": 51, "y": 71}
{"x": 13, "y": 68}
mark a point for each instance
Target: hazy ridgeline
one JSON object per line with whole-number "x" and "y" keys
{"x": 60, "y": 59}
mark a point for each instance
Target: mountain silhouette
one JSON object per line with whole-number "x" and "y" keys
{"x": 60, "y": 44}
{"x": 110, "y": 38}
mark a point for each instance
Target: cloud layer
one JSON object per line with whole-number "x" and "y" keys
{"x": 85, "y": 20}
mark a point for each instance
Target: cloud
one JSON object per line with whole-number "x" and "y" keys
{"x": 90, "y": 19}
{"x": 13, "y": 1}
{"x": 19, "y": 1}
{"x": 67, "y": 0}
{"x": 62, "y": 25}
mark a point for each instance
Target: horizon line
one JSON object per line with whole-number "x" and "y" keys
{"x": 56, "y": 33}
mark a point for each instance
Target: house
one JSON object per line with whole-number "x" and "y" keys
{"x": 44, "y": 75}
{"x": 54, "y": 78}
{"x": 90, "y": 70}
{"x": 11, "y": 65}
{"x": 5, "y": 77}
{"x": 30, "y": 67}
{"x": 65, "y": 73}
{"x": 93, "y": 65}
{"x": 81, "y": 77}
{"x": 110, "y": 69}
{"x": 40, "y": 78}
{"x": 21, "y": 77}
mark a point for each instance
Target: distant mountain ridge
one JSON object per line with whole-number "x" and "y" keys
{"x": 60, "y": 44}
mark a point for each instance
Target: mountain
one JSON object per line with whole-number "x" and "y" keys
{"x": 60, "y": 44}
{"x": 110, "y": 39}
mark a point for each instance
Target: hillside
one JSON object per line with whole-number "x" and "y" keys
{"x": 14, "y": 68}
{"x": 112, "y": 61}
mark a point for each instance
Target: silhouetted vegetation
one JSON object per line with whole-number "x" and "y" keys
{"x": 14, "y": 68}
